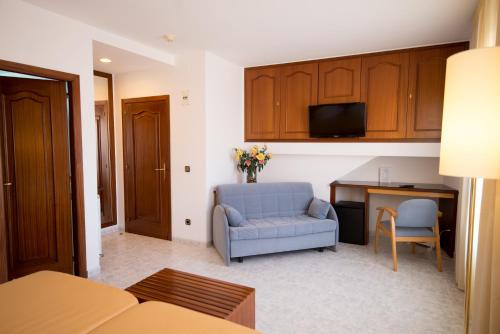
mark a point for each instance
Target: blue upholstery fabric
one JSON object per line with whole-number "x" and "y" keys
{"x": 274, "y": 245}
{"x": 281, "y": 227}
{"x": 403, "y": 231}
{"x": 234, "y": 218}
{"x": 318, "y": 208}
{"x": 417, "y": 213}
{"x": 276, "y": 220}
{"x": 262, "y": 200}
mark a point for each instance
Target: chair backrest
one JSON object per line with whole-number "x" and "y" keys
{"x": 417, "y": 213}
{"x": 261, "y": 200}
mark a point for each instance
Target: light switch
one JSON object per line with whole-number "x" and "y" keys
{"x": 187, "y": 169}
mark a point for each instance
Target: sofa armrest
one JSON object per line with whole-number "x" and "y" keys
{"x": 220, "y": 231}
{"x": 333, "y": 216}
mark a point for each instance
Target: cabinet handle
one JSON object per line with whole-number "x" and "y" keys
{"x": 411, "y": 96}
{"x": 277, "y": 103}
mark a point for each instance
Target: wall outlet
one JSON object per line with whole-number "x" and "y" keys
{"x": 187, "y": 169}
{"x": 188, "y": 221}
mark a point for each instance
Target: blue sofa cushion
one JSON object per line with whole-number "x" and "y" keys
{"x": 318, "y": 208}
{"x": 402, "y": 231}
{"x": 234, "y": 217}
{"x": 263, "y": 200}
{"x": 281, "y": 227}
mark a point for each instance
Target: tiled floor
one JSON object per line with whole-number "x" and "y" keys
{"x": 350, "y": 291}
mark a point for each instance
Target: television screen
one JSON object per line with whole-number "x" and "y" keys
{"x": 337, "y": 120}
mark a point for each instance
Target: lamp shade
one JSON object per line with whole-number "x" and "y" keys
{"x": 470, "y": 140}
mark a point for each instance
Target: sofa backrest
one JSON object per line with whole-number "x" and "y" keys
{"x": 261, "y": 200}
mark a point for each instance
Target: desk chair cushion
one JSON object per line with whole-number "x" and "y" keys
{"x": 402, "y": 231}
{"x": 417, "y": 213}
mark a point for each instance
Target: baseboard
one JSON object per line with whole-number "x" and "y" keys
{"x": 193, "y": 242}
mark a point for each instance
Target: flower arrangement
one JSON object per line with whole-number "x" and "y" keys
{"x": 252, "y": 161}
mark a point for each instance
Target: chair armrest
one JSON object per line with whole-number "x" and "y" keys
{"x": 220, "y": 230}
{"x": 391, "y": 211}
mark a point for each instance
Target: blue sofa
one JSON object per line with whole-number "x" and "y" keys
{"x": 276, "y": 220}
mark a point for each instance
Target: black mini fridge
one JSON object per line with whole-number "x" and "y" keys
{"x": 351, "y": 222}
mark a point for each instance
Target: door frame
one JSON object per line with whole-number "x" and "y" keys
{"x": 111, "y": 133}
{"x": 166, "y": 99}
{"x": 76, "y": 156}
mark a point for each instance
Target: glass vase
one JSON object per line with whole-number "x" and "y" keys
{"x": 251, "y": 175}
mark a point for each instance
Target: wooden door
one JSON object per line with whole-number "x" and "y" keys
{"x": 262, "y": 103}
{"x": 426, "y": 91}
{"x": 384, "y": 86}
{"x": 105, "y": 184}
{"x": 36, "y": 176}
{"x": 340, "y": 81}
{"x": 299, "y": 90}
{"x": 146, "y": 139}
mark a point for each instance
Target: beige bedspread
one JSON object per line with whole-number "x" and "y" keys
{"x": 51, "y": 302}
{"x": 158, "y": 317}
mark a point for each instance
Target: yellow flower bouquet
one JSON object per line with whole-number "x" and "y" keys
{"x": 252, "y": 161}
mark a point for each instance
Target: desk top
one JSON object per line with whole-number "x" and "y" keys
{"x": 419, "y": 187}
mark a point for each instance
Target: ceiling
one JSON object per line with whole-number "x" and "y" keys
{"x": 121, "y": 60}
{"x": 260, "y": 32}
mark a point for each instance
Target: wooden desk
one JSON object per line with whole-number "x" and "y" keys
{"x": 448, "y": 202}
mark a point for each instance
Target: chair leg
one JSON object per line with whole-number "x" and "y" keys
{"x": 438, "y": 248}
{"x": 393, "y": 242}
{"x": 376, "y": 239}
{"x": 413, "y": 247}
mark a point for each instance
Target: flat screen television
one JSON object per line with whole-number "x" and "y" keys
{"x": 337, "y": 120}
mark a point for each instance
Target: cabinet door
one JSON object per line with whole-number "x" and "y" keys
{"x": 384, "y": 86}
{"x": 262, "y": 103}
{"x": 426, "y": 91}
{"x": 340, "y": 81}
{"x": 299, "y": 90}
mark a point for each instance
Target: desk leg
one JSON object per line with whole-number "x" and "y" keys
{"x": 333, "y": 191}
{"x": 447, "y": 224}
{"x": 367, "y": 215}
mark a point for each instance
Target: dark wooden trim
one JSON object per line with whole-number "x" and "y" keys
{"x": 111, "y": 131}
{"x": 76, "y": 155}
{"x": 378, "y": 53}
{"x": 166, "y": 99}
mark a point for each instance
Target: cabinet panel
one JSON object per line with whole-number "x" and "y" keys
{"x": 384, "y": 89}
{"x": 262, "y": 103}
{"x": 339, "y": 81}
{"x": 299, "y": 90}
{"x": 426, "y": 91}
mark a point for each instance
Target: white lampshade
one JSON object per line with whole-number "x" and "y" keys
{"x": 470, "y": 141}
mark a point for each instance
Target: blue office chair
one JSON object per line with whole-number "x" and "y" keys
{"x": 416, "y": 220}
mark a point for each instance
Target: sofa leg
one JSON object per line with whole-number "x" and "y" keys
{"x": 321, "y": 249}
{"x": 333, "y": 248}
{"x": 240, "y": 260}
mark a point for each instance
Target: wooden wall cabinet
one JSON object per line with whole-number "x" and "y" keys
{"x": 426, "y": 91}
{"x": 384, "y": 87}
{"x": 299, "y": 90}
{"x": 339, "y": 81}
{"x": 403, "y": 91}
{"x": 262, "y": 103}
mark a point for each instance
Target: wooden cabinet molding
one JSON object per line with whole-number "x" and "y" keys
{"x": 384, "y": 87}
{"x": 339, "y": 81}
{"x": 403, "y": 91}
{"x": 262, "y": 103}
{"x": 299, "y": 90}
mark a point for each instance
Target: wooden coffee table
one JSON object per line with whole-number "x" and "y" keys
{"x": 221, "y": 299}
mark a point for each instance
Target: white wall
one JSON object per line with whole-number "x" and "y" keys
{"x": 187, "y": 138}
{"x": 100, "y": 88}
{"x": 223, "y": 107}
{"x": 34, "y": 36}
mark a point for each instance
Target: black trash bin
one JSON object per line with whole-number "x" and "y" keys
{"x": 351, "y": 222}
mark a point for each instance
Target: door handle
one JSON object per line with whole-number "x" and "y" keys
{"x": 7, "y": 184}
{"x": 162, "y": 170}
